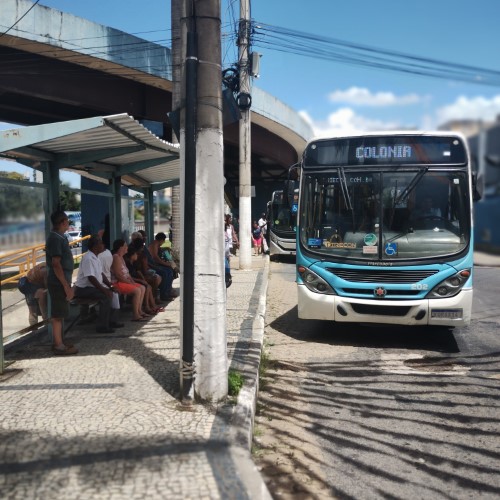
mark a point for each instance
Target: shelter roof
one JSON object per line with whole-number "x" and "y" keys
{"x": 100, "y": 148}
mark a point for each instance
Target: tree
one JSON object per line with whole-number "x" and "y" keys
{"x": 19, "y": 202}
{"x": 69, "y": 200}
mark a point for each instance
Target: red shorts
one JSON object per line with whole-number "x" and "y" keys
{"x": 125, "y": 288}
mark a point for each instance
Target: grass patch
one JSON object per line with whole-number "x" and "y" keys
{"x": 235, "y": 382}
{"x": 265, "y": 363}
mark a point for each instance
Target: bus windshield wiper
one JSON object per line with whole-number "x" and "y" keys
{"x": 411, "y": 186}
{"x": 347, "y": 197}
{"x": 343, "y": 186}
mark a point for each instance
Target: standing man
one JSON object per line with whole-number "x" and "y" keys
{"x": 228, "y": 221}
{"x": 60, "y": 271}
{"x": 263, "y": 229}
{"x": 92, "y": 283}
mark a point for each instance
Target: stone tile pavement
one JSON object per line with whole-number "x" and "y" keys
{"x": 107, "y": 423}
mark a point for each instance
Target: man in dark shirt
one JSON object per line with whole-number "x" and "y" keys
{"x": 60, "y": 271}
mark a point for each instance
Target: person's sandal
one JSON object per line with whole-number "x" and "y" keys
{"x": 64, "y": 350}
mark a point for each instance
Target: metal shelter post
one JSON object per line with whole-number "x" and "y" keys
{"x": 149, "y": 226}
{"x": 53, "y": 182}
{"x": 115, "y": 217}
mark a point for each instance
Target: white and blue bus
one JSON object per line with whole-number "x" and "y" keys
{"x": 384, "y": 229}
{"x": 281, "y": 224}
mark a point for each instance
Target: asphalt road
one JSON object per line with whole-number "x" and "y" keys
{"x": 380, "y": 412}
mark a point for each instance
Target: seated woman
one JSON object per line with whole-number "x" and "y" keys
{"x": 144, "y": 271}
{"x": 124, "y": 283}
{"x": 149, "y": 304}
{"x": 165, "y": 269}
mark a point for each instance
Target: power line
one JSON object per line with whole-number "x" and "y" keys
{"x": 321, "y": 47}
{"x": 2, "y": 34}
{"x": 289, "y": 41}
{"x": 115, "y": 49}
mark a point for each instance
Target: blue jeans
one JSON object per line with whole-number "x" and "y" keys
{"x": 167, "y": 278}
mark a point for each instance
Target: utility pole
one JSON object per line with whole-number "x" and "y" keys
{"x": 244, "y": 101}
{"x": 203, "y": 321}
{"x": 177, "y": 50}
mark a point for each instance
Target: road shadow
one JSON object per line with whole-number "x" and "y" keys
{"x": 363, "y": 335}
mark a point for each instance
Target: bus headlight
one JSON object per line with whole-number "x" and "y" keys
{"x": 450, "y": 286}
{"x": 313, "y": 282}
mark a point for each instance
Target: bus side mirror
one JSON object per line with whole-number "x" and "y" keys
{"x": 288, "y": 193}
{"x": 477, "y": 186}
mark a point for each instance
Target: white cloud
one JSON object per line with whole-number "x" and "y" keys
{"x": 470, "y": 108}
{"x": 346, "y": 121}
{"x": 356, "y": 96}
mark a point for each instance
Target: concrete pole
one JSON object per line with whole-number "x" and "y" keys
{"x": 245, "y": 207}
{"x": 203, "y": 227}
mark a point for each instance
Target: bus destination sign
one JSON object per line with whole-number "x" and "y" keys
{"x": 383, "y": 150}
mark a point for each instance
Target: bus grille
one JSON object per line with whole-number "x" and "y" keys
{"x": 380, "y": 310}
{"x": 385, "y": 276}
{"x": 369, "y": 292}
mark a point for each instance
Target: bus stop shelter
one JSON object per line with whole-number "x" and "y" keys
{"x": 115, "y": 151}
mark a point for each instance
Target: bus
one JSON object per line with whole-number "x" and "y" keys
{"x": 384, "y": 229}
{"x": 281, "y": 219}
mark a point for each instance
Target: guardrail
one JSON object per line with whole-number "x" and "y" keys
{"x": 23, "y": 260}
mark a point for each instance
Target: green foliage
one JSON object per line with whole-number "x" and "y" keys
{"x": 25, "y": 202}
{"x": 165, "y": 210}
{"x": 19, "y": 202}
{"x": 235, "y": 382}
{"x": 12, "y": 175}
{"x": 264, "y": 361}
{"x": 264, "y": 364}
{"x": 69, "y": 200}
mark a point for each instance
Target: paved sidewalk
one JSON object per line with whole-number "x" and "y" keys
{"x": 107, "y": 423}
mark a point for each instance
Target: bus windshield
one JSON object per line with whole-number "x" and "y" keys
{"x": 387, "y": 215}
{"x": 281, "y": 217}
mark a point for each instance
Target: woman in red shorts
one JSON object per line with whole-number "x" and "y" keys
{"x": 124, "y": 283}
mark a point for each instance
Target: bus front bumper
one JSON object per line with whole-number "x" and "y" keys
{"x": 453, "y": 311}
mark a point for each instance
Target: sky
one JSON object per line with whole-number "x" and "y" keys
{"x": 336, "y": 97}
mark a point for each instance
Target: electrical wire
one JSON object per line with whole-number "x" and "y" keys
{"x": 4, "y": 32}
{"x": 265, "y": 36}
{"x": 321, "y": 47}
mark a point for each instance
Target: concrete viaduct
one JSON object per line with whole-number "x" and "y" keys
{"x": 57, "y": 67}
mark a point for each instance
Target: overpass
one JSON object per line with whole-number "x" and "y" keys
{"x": 57, "y": 67}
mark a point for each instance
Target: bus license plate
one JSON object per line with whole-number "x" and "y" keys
{"x": 447, "y": 313}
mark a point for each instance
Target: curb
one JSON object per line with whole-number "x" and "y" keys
{"x": 244, "y": 412}
{"x": 242, "y": 422}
